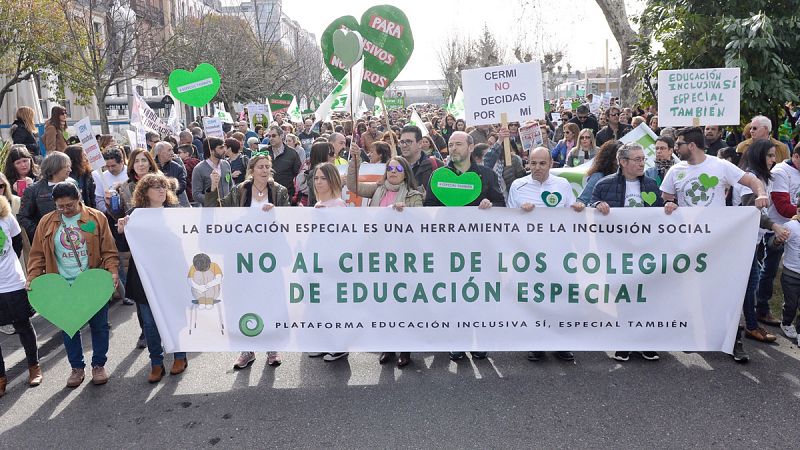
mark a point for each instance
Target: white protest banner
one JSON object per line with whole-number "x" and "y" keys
{"x": 131, "y": 138}
{"x": 259, "y": 114}
{"x": 514, "y": 89}
{"x": 530, "y": 135}
{"x": 647, "y": 139}
{"x": 143, "y": 116}
{"x": 223, "y": 116}
{"x": 694, "y": 97}
{"x": 345, "y": 279}
{"x": 213, "y": 127}
{"x": 366, "y": 173}
{"x": 597, "y": 104}
{"x": 85, "y": 133}
{"x": 605, "y": 101}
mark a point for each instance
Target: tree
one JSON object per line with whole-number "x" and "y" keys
{"x": 108, "y": 43}
{"x": 488, "y": 51}
{"x": 29, "y": 29}
{"x": 617, "y": 19}
{"x": 688, "y": 34}
{"x": 454, "y": 56}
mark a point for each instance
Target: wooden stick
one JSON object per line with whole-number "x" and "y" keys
{"x": 696, "y": 122}
{"x": 506, "y": 141}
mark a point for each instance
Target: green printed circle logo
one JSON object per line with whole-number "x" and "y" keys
{"x": 698, "y": 195}
{"x": 633, "y": 202}
{"x": 680, "y": 176}
{"x": 251, "y": 324}
{"x": 551, "y": 199}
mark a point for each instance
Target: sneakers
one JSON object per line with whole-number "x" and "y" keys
{"x": 455, "y": 356}
{"x": 273, "y": 359}
{"x": 789, "y": 331}
{"x": 760, "y": 334}
{"x": 99, "y": 375}
{"x": 244, "y": 360}
{"x": 622, "y": 356}
{"x": 768, "y": 319}
{"x": 76, "y": 378}
{"x": 535, "y": 356}
{"x": 316, "y": 354}
{"x": 334, "y": 356}
{"x": 34, "y": 375}
{"x": 651, "y": 356}
{"x": 739, "y": 355}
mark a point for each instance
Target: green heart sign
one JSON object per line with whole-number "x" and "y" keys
{"x": 649, "y": 197}
{"x": 89, "y": 226}
{"x": 279, "y": 103}
{"x": 195, "y": 88}
{"x": 455, "y": 190}
{"x": 708, "y": 182}
{"x": 551, "y": 199}
{"x": 70, "y": 307}
{"x": 388, "y": 45}
{"x": 348, "y": 46}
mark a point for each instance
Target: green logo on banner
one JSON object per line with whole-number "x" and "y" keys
{"x": 195, "y": 88}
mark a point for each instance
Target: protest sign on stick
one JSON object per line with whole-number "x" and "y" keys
{"x": 89, "y": 144}
{"x": 695, "y": 97}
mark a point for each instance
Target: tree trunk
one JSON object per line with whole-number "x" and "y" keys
{"x": 617, "y": 18}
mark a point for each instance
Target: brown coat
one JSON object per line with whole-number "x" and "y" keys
{"x": 54, "y": 139}
{"x": 781, "y": 150}
{"x": 100, "y": 243}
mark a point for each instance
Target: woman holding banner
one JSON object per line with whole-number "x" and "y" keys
{"x": 397, "y": 191}
{"x": 153, "y": 190}
{"x": 260, "y": 191}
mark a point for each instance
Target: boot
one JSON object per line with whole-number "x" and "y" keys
{"x": 3, "y": 382}
{"x": 34, "y": 375}
{"x": 156, "y": 374}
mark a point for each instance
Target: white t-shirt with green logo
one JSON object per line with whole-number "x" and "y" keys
{"x": 65, "y": 258}
{"x": 12, "y": 277}
{"x": 785, "y": 178}
{"x": 701, "y": 184}
{"x": 633, "y": 194}
{"x": 555, "y": 192}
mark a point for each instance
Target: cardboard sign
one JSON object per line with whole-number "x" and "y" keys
{"x": 514, "y": 89}
{"x": 699, "y": 97}
{"x": 531, "y": 136}
{"x": 89, "y": 144}
{"x": 213, "y": 127}
{"x": 195, "y": 88}
{"x": 259, "y": 114}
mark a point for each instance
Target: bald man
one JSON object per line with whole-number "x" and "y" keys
{"x": 526, "y": 192}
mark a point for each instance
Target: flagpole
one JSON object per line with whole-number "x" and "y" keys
{"x": 352, "y": 120}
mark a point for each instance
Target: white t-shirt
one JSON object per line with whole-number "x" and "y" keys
{"x": 555, "y": 192}
{"x": 785, "y": 178}
{"x": 701, "y": 184}
{"x": 740, "y": 191}
{"x": 104, "y": 181}
{"x": 12, "y": 278}
{"x": 633, "y": 194}
{"x": 255, "y": 203}
{"x": 791, "y": 249}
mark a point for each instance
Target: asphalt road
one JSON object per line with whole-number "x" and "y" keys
{"x": 683, "y": 400}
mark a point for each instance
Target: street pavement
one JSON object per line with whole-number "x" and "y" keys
{"x": 684, "y": 400}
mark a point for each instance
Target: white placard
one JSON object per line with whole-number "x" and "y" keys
{"x": 85, "y": 133}
{"x": 699, "y": 97}
{"x": 346, "y": 279}
{"x": 514, "y": 89}
{"x": 213, "y": 127}
{"x": 257, "y": 109}
{"x": 131, "y": 139}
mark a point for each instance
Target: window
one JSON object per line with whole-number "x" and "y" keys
{"x": 140, "y": 91}
{"x": 154, "y": 92}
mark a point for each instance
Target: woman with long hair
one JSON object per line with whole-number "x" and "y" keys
{"x": 604, "y": 163}
{"x": 429, "y": 148}
{"x": 320, "y": 152}
{"x": 260, "y": 191}
{"x": 55, "y": 130}
{"x": 20, "y": 167}
{"x": 563, "y": 147}
{"x": 584, "y": 150}
{"x": 140, "y": 163}
{"x": 23, "y": 130}
{"x": 105, "y": 141}
{"x": 461, "y": 125}
{"x": 82, "y": 174}
{"x": 153, "y": 190}
{"x": 328, "y": 186}
{"x": 449, "y": 127}
{"x": 757, "y": 160}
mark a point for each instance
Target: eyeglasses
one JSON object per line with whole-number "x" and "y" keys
{"x": 678, "y": 144}
{"x": 406, "y": 142}
{"x": 613, "y": 115}
{"x": 273, "y": 135}
{"x": 67, "y": 206}
{"x": 636, "y": 160}
{"x": 398, "y": 169}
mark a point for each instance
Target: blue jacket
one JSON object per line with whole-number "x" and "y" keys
{"x": 611, "y": 189}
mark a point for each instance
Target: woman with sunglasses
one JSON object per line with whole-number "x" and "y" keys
{"x": 565, "y": 145}
{"x": 584, "y": 150}
{"x": 398, "y": 190}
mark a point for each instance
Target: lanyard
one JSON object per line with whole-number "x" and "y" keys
{"x": 72, "y": 244}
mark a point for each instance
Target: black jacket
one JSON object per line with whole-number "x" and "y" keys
{"x": 607, "y": 134}
{"x": 489, "y": 189}
{"x": 422, "y": 171}
{"x": 286, "y": 167}
{"x": 21, "y": 135}
{"x": 590, "y": 123}
{"x": 611, "y": 189}
{"x": 36, "y": 202}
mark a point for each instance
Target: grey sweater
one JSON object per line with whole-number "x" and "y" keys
{"x": 201, "y": 180}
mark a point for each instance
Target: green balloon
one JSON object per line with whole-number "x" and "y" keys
{"x": 388, "y": 45}
{"x": 70, "y": 307}
{"x": 195, "y": 88}
{"x": 455, "y": 190}
{"x": 348, "y": 46}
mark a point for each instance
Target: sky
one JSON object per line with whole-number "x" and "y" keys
{"x": 580, "y": 29}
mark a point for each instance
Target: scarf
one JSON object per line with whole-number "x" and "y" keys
{"x": 662, "y": 166}
{"x": 386, "y": 186}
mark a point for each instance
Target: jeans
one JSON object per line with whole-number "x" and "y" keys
{"x": 99, "y": 326}
{"x": 749, "y": 306}
{"x": 153, "y": 338}
{"x": 790, "y": 282}
{"x": 27, "y": 337}
{"x": 767, "y": 277}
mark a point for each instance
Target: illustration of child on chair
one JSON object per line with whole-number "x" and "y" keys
{"x": 205, "y": 281}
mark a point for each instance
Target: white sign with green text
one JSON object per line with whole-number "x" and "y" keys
{"x": 699, "y": 97}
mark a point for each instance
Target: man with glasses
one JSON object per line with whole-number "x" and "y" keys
{"x": 285, "y": 160}
{"x": 64, "y": 244}
{"x": 760, "y": 128}
{"x": 584, "y": 120}
{"x": 614, "y": 130}
{"x": 421, "y": 167}
{"x": 682, "y": 186}
{"x": 248, "y": 133}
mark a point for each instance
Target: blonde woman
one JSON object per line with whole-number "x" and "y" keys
{"x": 23, "y": 130}
{"x": 584, "y": 150}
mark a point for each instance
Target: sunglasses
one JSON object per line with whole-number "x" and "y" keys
{"x": 398, "y": 169}
{"x": 273, "y": 135}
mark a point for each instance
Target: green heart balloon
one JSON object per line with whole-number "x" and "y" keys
{"x": 649, "y": 197}
{"x": 455, "y": 190}
{"x": 551, "y": 199}
{"x": 70, "y": 307}
{"x": 348, "y": 46}
{"x": 279, "y": 103}
{"x": 388, "y": 45}
{"x": 195, "y": 88}
{"x": 708, "y": 182}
